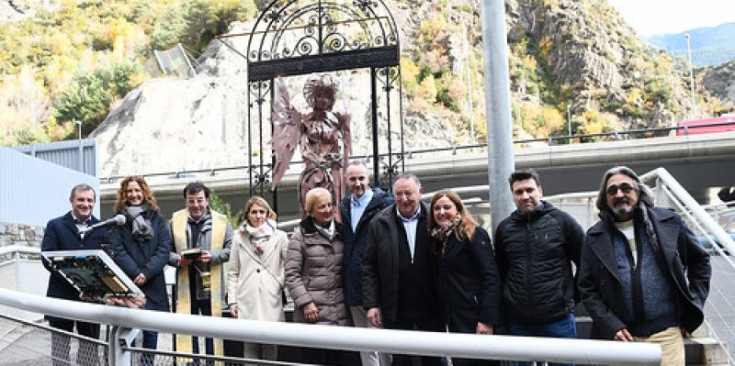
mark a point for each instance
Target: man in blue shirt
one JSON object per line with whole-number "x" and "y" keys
{"x": 357, "y": 209}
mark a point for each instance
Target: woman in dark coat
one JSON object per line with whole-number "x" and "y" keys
{"x": 468, "y": 281}
{"x": 141, "y": 248}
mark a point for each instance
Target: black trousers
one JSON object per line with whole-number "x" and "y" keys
{"x": 429, "y": 325}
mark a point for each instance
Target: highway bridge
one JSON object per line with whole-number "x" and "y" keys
{"x": 701, "y": 163}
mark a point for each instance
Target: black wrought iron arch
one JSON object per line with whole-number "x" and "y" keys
{"x": 300, "y": 37}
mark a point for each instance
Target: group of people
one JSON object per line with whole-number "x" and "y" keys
{"x": 389, "y": 260}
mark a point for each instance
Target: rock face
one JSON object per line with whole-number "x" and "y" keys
{"x": 14, "y": 10}
{"x": 583, "y": 48}
{"x": 169, "y": 125}
{"x": 587, "y": 48}
{"x": 720, "y": 81}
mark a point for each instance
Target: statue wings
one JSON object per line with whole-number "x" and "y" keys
{"x": 344, "y": 120}
{"x": 287, "y": 128}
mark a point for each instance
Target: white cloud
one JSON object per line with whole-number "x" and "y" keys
{"x": 649, "y": 17}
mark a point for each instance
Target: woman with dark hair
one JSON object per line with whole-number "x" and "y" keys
{"x": 141, "y": 248}
{"x": 468, "y": 280}
{"x": 255, "y": 275}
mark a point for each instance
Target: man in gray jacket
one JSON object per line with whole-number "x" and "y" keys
{"x": 643, "y": 276}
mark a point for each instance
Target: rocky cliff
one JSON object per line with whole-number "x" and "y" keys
{"x": 563, "y": 52}
{"x": 720, "y": 81}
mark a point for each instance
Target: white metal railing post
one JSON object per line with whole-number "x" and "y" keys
{"x": 693, "y": 205}
{"x": 118, "y": 340}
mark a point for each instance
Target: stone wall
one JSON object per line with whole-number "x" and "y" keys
{"x": 20, "y": 234}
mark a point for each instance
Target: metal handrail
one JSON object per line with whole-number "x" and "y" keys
{"x": 695, "y": 208}
{"x": 550, "y": 140}
{"x": 347, "y": 338}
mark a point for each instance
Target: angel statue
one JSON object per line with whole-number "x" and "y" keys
{"x": 324, "y": 136}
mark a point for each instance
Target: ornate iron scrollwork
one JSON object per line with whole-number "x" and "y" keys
{"x": 293, "y": 37}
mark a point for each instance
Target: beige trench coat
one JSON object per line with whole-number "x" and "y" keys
{"x": 254, "y": 283}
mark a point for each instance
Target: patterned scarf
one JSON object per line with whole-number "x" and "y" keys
{"x": 259, "y": 235}
{"x": 142, "y": 230}
{"x": 442, "y": 233}
{"x": 649, "y": 226}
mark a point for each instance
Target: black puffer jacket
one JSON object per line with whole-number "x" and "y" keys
{"x": 533, "y": 255}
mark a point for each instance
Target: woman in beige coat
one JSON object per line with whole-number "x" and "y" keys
{"x": 314, "y": 272}
{"x": 255, "y": 276}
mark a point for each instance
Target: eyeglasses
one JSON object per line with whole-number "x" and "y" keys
{"x": 195, "y": 200}
{"x": 613, "y": 190}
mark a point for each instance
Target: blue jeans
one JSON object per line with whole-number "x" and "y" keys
{"x": 150, "y": 341}
{"x": 562, "y": 328}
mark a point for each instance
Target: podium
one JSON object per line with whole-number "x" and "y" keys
{"x": 93, "y": 273}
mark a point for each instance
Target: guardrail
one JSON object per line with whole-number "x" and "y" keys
{"x": 333, "y": 337}
{"x": 550, "y": 140}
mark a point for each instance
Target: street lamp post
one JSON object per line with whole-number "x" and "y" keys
{"x": 691, "y": 74}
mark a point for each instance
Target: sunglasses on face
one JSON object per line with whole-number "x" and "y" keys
{"x": 613, "y": 190}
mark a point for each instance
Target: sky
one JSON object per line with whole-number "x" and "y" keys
{"x": 656, "y": 17}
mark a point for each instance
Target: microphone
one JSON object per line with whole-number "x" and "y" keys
{"x": 117, "y": 220}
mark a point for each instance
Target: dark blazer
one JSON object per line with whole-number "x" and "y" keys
{"x": 147, "y": 258}
{"x": 468, "y": 283}
{"x": 684, "y": 260}
{"x": 380, "y": 282}
{"x": 356, "y": 241}
{"x": 62, "y": 234}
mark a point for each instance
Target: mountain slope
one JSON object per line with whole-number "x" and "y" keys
{"x": 710, "y": 46}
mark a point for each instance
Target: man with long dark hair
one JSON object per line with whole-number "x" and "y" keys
{"x": 643, "y": 276}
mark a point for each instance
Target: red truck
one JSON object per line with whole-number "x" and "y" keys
{"x": 707, "y": 125}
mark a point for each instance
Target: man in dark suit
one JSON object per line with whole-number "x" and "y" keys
{"x": 62, "y": 233}
{"x": 398, "y": 282}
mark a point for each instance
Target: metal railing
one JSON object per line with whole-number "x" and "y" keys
{"x": 122, "y": 320}
{"x": 668, "y": 193}
{"x": 453, "y": 150}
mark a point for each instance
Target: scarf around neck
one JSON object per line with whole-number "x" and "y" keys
{"x": 259, "y": 235}
{"x": 142, "y": 230}
{"x": 328, "y": 232}
{"x": 442, "y": 233}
